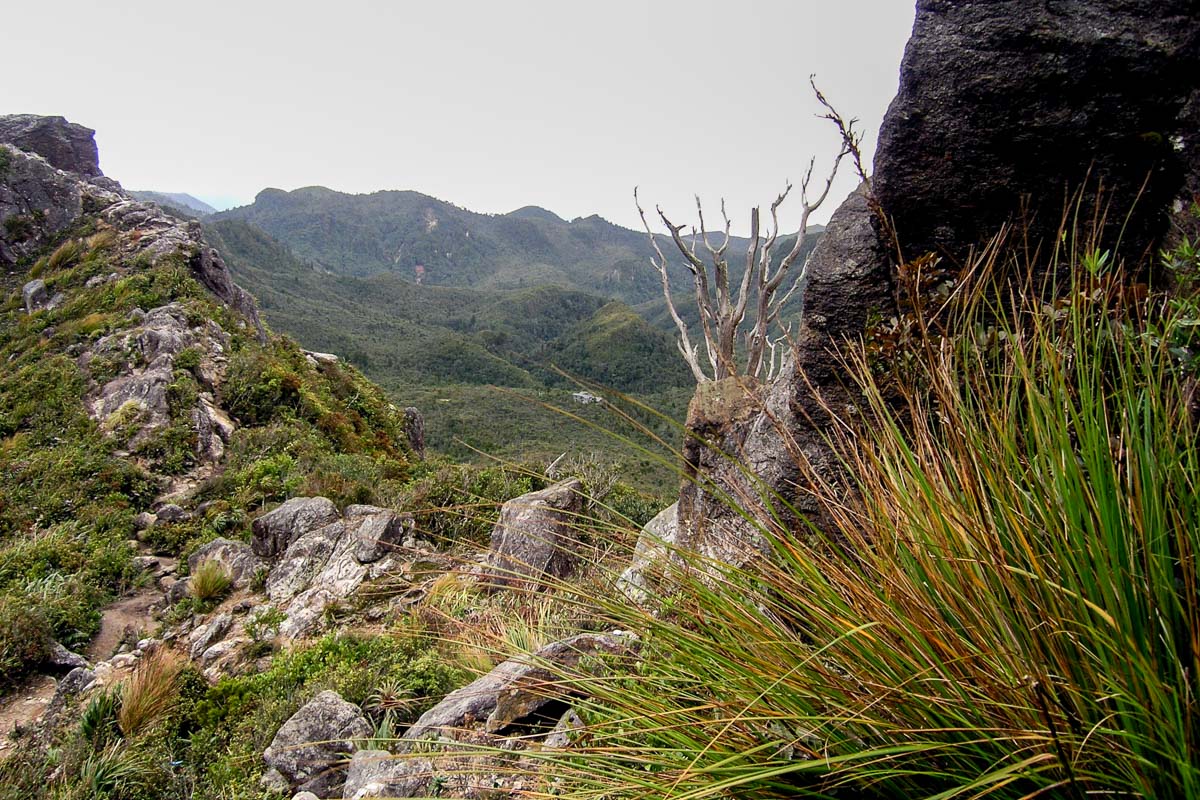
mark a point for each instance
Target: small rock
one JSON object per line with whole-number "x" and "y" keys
{"x": 207, "y": 635}
{"x": 305, "y": 796}
{"x": 567, "y": 728}
{"x": 60, "y": 656}
{"x": 122, "y": 661}
{"x": 35, "y": 296}
{"x": 144, "y": 520}
{"x": 273, "y": 782}
{"x": 535, "y": 537}
{"x": 172, "y": 513}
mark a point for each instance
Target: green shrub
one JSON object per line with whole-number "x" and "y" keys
{"x": 25, "y": 637}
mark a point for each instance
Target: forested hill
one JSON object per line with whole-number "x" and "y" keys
{"x": 403, "y": 332}
{"x": 432, "y": 242}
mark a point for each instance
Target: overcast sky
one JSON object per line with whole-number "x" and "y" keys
{"x": 489, "y": 105}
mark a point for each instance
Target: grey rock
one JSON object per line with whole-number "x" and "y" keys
{"x": 535, "y": 537}
{"x": 274, "y": 782}
{"x": 236, "y": 557}
{"x": 72, "y": 684}
{"x": 144, "y": 520}
{"x": 60, "y": 656}
{"x": 34, "y": 295}
{"x": 568, "y": 727}
{"x": 379, "y": 531}
{"x": 654, "y": 543}
{"x": 275, "y": 531}
{"x": 378, "y": 773}
{"x": 305, "y": 796}
{"x": 414, "y": 430}
{"x": 306, "y": 613}
{"x": 209, "y": 634}
{"x": 65, "y": 145}
{"x": 515, "y": 689}
{"x": 310, "y": 747}
{"x": 177, "y": 591}
{"x": 37, "y": 204}
{"x": 172, "y": 513}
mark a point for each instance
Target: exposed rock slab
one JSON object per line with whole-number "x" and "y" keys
{"x": 275, "y": 531}
{"x": 378, "y": 773}
{"x": 516, "y": 688}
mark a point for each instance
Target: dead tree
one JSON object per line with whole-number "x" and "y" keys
{"x": 722, "y": 311}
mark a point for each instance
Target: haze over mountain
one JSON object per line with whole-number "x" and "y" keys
{"x": 181, "y": 201}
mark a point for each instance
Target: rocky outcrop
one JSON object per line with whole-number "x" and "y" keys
{"x": 654, "y": 544}
{"x": 65, "y": 145}
{"x": 535, "y": 537}
{"x": 134, "y": 403}
{"x": 325, "y": 555}
{"x": 1003, "y": 108}
{"x": 310, "y": 748}
{"x": 37, "y": 203}
{"x": 1013, "y": 102}
{"x": 275, "y": 531}
{"x": 160, "y": 235}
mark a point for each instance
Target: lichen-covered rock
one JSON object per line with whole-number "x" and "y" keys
{"x": 517, "y": 688}
{"x": 65, "y": 145}
{"x": 326, "y": 564}
{"x": 236, "y": 557}
{"x": 34, "y": 295}
{"x": 378, "y": 773}
{"x": 275, "y": 531}
{"x": 378, "y": 531}
{"x": 309, "y": 750}
{"x": 535, "y": 537}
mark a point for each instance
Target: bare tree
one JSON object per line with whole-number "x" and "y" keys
{"x": 722, "y": 310}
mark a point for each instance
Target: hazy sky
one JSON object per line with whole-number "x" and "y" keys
{"x": 489, "y": 105}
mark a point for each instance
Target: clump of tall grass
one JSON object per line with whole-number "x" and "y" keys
{"x": 1008, "y": 606}
{"x": 150, "y": 692}
{"x": 210, "y": 582}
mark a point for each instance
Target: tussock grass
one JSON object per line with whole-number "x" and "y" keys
{"x": 210, "y": 582}
{"x": 150, "y": 693}
{"x": 1008, "y": 606}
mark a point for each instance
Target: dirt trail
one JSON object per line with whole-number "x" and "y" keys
{"x": 25, "y": 706}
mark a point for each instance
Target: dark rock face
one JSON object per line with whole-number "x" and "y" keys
{"x": 275, "y": 531}
{"x": 1009, "y": 100}
{"x": 37, "y": 202}
{"x": 65, "y": 145}
{"x": 414, "y": 430}
{"x": 1004, "y": 108}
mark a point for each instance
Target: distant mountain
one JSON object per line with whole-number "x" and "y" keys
{"x": 431, "y": 242}
{"x": 405, "y": 333}
{"x": 180, "y": 201}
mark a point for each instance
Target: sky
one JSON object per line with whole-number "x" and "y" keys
{"x": 488, "y": 105}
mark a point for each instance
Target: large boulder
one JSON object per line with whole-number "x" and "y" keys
{"x": 66, "y": 145}
{"x": 1014, "y": 103}
{"x": 236, "y": 557}
{"x": 328, "y": 562}
{"x": 535, "y": 537}
{"x": 1003, "y": 108}
{"x": 310, "y": 748}
{"x": 275, "y": 531}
